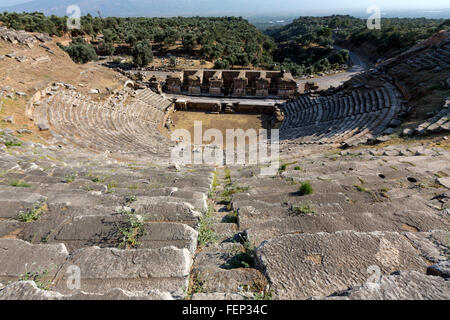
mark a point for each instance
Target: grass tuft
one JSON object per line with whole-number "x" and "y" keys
{"x": 305, "y": 188}
{"x": 19, "y": 184}
{"x": 206, "y": 233}
{"x": 302, "y": 209}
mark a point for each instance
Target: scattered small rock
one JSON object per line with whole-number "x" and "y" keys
{"x": 383, "y": 139}
{"x": 21, "y": 94}
{"x": 21, "y": 59}
{"x": 441, "y": 269}
{"x": 24, "y": 131}
{"x": 70, "y": 87}
{"x": 9, "y": 119}
{"x": 444, "y": 182}
{"x": 43, "y": 126}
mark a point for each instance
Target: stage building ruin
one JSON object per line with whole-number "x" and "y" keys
{"x": 233, "y": 83}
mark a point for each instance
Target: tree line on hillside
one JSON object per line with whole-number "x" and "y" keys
{"x": 396, "y": 34}
{"x": 227, "y": 40}
{"x": 306, "y": 45}
{"x": 303, "y": 47}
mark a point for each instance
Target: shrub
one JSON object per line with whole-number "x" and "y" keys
{"x": 305, "y": 188}
{"x": 222, "y": 64}
{"x": 107, "y": 48}
{"x": 80, "y": 51}
{"x": 142, "y": 54}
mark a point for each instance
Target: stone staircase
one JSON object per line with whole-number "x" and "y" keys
{"x": 130, "y": 230}
{"x": 223, "y": 267}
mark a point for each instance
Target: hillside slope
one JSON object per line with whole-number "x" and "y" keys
{"x": 423, "y": 76}
{"x": 28, "y": 65}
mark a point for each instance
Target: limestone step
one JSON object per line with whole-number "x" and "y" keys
{"x": 153, "y": 209}
{"x": 229, "y": 281}
{"x": 28, "y": 290}
{"x": 104, "y": 269}
{"x": 20, "y": 259}
{"x": 105, "y": 231}
{"x": 326, "y": 263}
{"x": 12, "y": 202}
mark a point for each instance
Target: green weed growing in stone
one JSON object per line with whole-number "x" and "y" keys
{"x": 233, "y": 189}
{"x": 33, "y": 213}
{"x": 302, "y": 209}
{"x": 231, "y": 217}
{"x": 206, "y": 233}
{"x": 19, "y": 184}
{"x": 245, "y": 257}
{"x": 71, "y": 177}
{"x": 132, "y": 232}
{"x": 10, "y": 144}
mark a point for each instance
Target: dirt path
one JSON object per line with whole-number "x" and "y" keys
{"x": 336, "y": 80}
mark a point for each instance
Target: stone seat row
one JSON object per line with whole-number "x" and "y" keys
{"x": 429, "y": 60}
{"x": 305, "y": 110}
{"x": 439, "y": 123}
{"x": 82, "y": 224}
{"x": 343, "y": 119}
{"x": 116, "y": 128}
{"x": 153, "y": 99}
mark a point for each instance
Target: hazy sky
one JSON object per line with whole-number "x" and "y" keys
{"x": 247, "y": 8}
{"x": 329, "y": 4}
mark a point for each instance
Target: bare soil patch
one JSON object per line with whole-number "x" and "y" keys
{"x": 185, "y": 120}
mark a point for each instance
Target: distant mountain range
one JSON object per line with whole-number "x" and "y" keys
{"x": 246, "y": 8}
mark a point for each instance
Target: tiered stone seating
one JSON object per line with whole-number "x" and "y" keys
{"x": 120, "y": 129}
{"x": 365, "y": 211}
{"x": 432, "y": 59}
{"x": 349, "y": 118}
{"x": 155, "y": 100}
{"x": 439, "y": 123}
{"x": 86, "y": 212}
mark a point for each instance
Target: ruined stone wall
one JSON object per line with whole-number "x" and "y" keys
{"x": 233, "y": 82}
